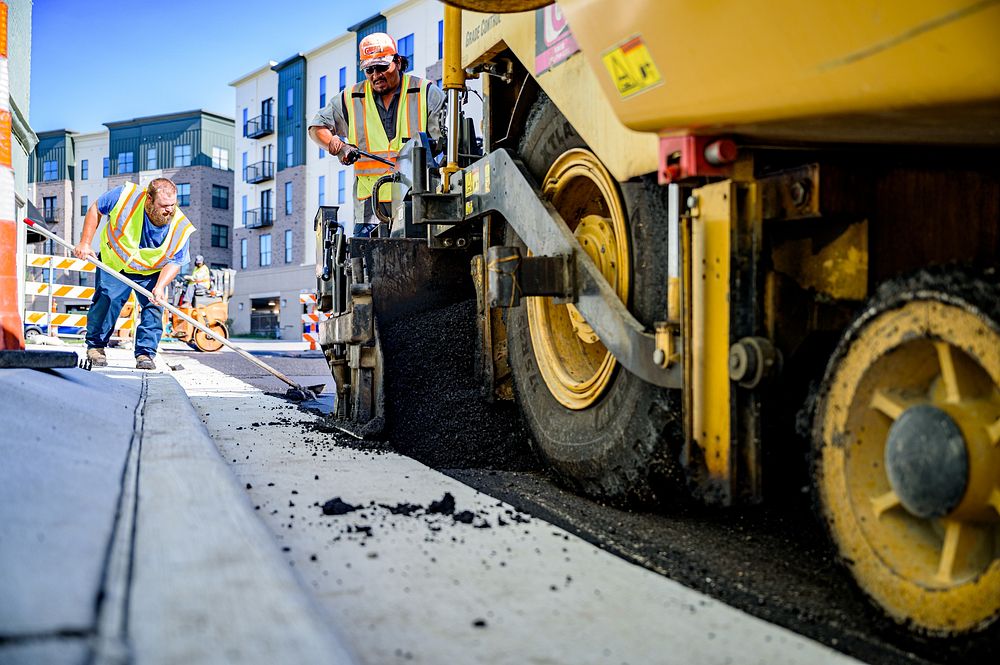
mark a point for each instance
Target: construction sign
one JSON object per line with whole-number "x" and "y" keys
{"x": 631, "y": 67}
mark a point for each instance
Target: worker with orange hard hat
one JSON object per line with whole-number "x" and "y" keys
{"x": 377, "y": 116}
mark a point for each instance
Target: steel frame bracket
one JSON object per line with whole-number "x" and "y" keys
{"x": 499, "y": 184}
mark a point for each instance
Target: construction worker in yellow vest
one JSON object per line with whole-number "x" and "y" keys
{"x": 146, "y": 239}
{"x": 198, "y": 281}
{"x": 377, "y": 115}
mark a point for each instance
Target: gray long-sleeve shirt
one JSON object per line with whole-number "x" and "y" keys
{"x": 333, "y": 116}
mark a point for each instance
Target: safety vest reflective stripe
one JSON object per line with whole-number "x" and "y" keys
{"x": 121, "y": 237}
{"x": 132, "y": 191}
{"x": 365, "y": 128}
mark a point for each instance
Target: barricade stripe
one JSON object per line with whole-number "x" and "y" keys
{"x": 58, "y": 290}
{"x": 59, "y": 263}
{"x": 76, "y": 320}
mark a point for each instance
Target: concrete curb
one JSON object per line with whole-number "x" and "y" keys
{"x": 208, "y": 583}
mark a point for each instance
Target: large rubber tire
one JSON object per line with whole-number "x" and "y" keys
{"x": 617, "y": 449}
{"x": 925, "y": 351}
{"x": 208, "y": 344}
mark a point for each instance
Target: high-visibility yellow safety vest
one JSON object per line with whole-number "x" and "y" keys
{"x": 366, "y": 131}
{"x": 201, "y": 276}
{"x": 120, "y": 241}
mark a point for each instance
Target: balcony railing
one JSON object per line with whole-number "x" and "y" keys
{"x": 52, "y": 215}
{"x": 258, "y": 172}
{"x": 258, "y": 218}
{"x": 262, "y": 125}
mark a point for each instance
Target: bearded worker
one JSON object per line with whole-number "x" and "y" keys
{"x": 377, "y": 115}
{"x": 145, "y": 239}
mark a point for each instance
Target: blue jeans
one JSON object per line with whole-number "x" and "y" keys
{"x": 109, "y": 298}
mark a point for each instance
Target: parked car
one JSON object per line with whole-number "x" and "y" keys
{"x": 32, "y": 329}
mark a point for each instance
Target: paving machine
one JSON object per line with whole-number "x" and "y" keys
{"x": 714, "y": 243}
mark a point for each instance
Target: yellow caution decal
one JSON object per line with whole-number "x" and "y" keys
{"x": 631, "y": 67}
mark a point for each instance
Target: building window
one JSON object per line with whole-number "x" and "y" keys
{"x": 322, "y": 190}
{"x": 341, "y": 179}
{"x": 440, "y": 39}
{"x": 84, "y": 204}
{"x": 244, "y": 171}
{"x": 183, "y": 194}
{"x": 322, "y": 153}
{"x": 322, "y": 91}
{"x": 220, "y": 197}
{"x": 290, "y": 103}
{"x": 126, "y": 163}
{"x": 244, "y": 122}
{"x": 152, "y": 159}
{"x": 49, "y": 208}
{"x": 405, "y": 48}
{"x": 288, "y": 198}
{"x": 50, "y": 169}
{"x": 288, "y": 246}
{"x": 289, "y": 151}
{"x": 220, "y": 158}
{"x": 244, "y": 216}
{"x": 265, "y": 250}
{"x": 220, "y": 235}
{"x": 243, "y": 253}
{"x": 84, "y": 169}
{"x": 107, "y": 167}
{"x": 182, "y": 155}
{"x": 342, "y": 77}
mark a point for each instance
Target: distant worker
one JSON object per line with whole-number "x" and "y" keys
{"x": 381, "y": 112}
{"x": 146, "y": 239}
{"x": 198, "y": 281}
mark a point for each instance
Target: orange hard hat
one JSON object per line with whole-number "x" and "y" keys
{"x": 377, "y": 48}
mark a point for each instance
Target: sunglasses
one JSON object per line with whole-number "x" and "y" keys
{"x": 376, "y": 68}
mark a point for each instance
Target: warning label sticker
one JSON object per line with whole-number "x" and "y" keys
{"x": 631, "y": 67}
{"x": 471, "y": 182}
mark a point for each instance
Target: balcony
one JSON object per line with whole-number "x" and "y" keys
{"x": 258, "y": 172}
{"x": 262, "y": 125}
{"x": 258, "y": 218}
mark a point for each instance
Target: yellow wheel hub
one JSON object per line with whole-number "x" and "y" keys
{"x": 576, "y": 366}
{"x": 910, "y": 464}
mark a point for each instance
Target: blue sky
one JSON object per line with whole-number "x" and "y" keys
{"x": 96, "y": 62}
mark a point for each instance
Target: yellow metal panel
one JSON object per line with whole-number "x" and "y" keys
{"x": 571, "y": 85}
{"x": 710, "y": 386}
{"x": 837, "y": 268}
{"x": 733, "y": 64}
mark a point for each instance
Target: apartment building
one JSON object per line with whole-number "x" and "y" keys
{"x": 285, "y": 177}
{"x": 69, "y": 171}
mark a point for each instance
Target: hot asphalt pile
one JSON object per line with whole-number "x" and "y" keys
{"x": 435, "y": 409}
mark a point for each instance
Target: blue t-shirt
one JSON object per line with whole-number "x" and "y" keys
{"x": 152, "y": 236}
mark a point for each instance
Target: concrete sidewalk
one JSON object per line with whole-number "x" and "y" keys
{"x": 124, "y": 537}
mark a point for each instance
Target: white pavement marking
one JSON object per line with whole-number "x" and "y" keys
{"x": 427, "y": 589}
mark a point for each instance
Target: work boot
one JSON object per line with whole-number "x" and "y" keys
{"x": 142, "y": 361}
{"x": 97, "y": 357}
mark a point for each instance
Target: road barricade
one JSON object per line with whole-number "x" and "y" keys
{"x": 52, "y": 320}
{"x": 311, "y": 320}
